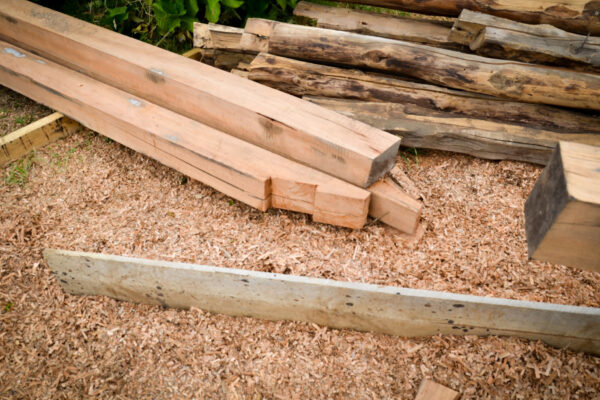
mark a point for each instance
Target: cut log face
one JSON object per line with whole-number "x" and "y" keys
{"x": 302, "y": 78}
{"x": 501, "y": 38}
{"x": 433, "y": 33}
{"x": 562, "y": 213}
{"x": 214, "y": 36}
{"x": 420, "y": 127}
{"x": 239, "y": 169}
{"x": 281, "y": 123}
{"x": 520, "y": 81}
{"x": 580, "y": 16}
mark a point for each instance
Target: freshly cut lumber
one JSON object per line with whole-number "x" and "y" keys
{"x": 502, "y": 38}
{"x": 237, "y": 168}
{"x": 215, "y": 36}
{"x": 35, "y": 135}
{"x": 430, "y": 390}
{"x": 385, "y": 309}
{"x": 302, "y": 78}
{"x": 433, "y": 33}
{"x": 562, "y": 213}
{"x": 260, "y": 115}
{"x": 520, "y": 81}
{"x": 393, "y": 206}
{"x": 581, "y": 16}
{"x": 421, "y": 127}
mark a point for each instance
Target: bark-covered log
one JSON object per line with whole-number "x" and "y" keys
{"x": 580, "y": 16}
{"x": 420, "y": 127}
{"x": 502, "y": 38}
{"x": 520, "y": 81}
{"x": 303, "y": 78}
{"x": 433, "y": 33}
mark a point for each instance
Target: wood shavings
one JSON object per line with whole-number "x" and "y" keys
{"x": 103, "y": 197}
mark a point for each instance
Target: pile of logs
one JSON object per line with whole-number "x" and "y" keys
{"x": 256, "y": 144}
{"x": 440, "y": 84}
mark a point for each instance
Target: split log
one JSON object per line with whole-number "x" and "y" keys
{"x": 432, "y": 33}
{"x": 580, "y": 16}
{"x": 260, "y": 115}
{"x": 214, "y": 36}
{"x": 239, "y": 169}
{"x": 520, "y": 81}
{"x": 562, "y": 213}
{"x": 35, "y": 135}
{"x": 224, "y": 59}
{"x": 302, "y": 78}
{"x": 502, "y": 38}
{"x": 384, "y": 309}
{"x": 423, "y": 128}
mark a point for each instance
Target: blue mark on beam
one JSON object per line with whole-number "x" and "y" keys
{"x": 14, "y": 52}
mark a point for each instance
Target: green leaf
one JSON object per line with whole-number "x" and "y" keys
{"x": 292, "y": 3}
{"x": 213, "y": 11}
{"x": 113, "y": 12}
{"x": 187, "y": 23}
{"x": 281, "y": 4}
{"x": 191, "y": 8}
{"x": 232, "y": 3}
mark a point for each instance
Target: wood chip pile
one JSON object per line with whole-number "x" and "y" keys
{"x": 304, "y": 183}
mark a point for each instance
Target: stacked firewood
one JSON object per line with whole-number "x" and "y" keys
{"x": 477, "y": 84}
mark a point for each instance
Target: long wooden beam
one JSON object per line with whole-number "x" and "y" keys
{"x": 581, "y": 16}
{"x": 237, "y": 168}
{"x": 520, "y": 81}
{"x": 423, "y": 128}
{"x": 35, "y": 135}
{"x": 365, "y": 307}
{"x": 502, "y": 38}
{"x": 432, "y": 33}
{"x": 303, "y": 78}
{"x": 281, "y": 123}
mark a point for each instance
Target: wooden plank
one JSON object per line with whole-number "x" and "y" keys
{"x": 430, "y": 390}
{"x": 524, "y": 82}
{"x": 562, "y": 213}
{"x": 239, "y": 169}
{"x": 580, "y": 16}
{"x": 223, "y": 59}
{"x": 423, "y": 128}
{"x": 35, "y": 135}
{"x": 385, "y": 309}
{"x": 268, "y": 118}
{"x": 501, "y": 38}
{"x": 428, "y": 32}
{"x": 302, "y": 78}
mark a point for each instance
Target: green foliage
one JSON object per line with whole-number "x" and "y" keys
{"x": 170, "y": 23}
{"x": 8, "y": 306}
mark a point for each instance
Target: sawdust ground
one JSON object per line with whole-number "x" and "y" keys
{"x": 16, "y": 111}
{"x": 86, "y": 193}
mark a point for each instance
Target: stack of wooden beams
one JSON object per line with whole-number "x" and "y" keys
{"x": 253, "y": 143}
{"x": 418, "y": 78}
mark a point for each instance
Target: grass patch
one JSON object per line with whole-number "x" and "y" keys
{"x": 18, "y": 172}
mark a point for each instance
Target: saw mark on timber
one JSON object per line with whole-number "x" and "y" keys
{"x": 156, "y": 75}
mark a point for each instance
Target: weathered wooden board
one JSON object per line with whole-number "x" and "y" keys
{"x": 502, "y": 38}
{"x": 35, "y": 135}
{"x": 430, "y": 390}
{"x": 520, "y": 81}
{"x": 303, "y": 78}
{"x": 562, "y": 213}
{"x": 239, "y": 169}
{"x": 260, "y": 115}
{"x": 581, "y": 16}
{"x": 385, "y": 309}
{"x": 433, "y": 33}
{"x": 423, "y": 128}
